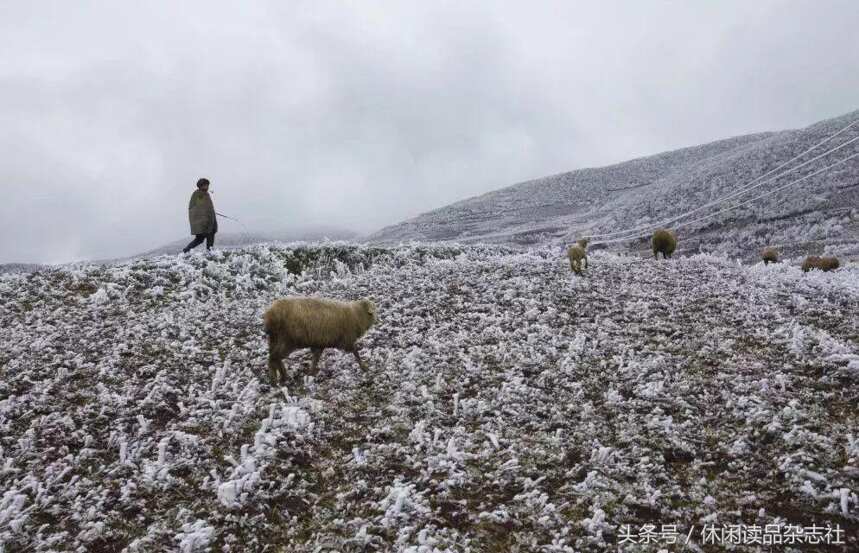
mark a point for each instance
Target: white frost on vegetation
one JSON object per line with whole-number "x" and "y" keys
{"x": 505, "y": 402}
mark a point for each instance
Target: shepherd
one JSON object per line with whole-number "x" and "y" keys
{"x": 201, "y": 215}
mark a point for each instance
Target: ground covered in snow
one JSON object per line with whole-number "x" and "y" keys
{"x": 696, "y": 191}
{"x": 508, "y": 406}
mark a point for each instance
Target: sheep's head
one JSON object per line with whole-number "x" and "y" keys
{"x": 583, "y": 243}
{"x": 370, "y": 309}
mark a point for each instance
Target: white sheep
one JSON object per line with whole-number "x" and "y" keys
{"x": 299, "y": 322}
{"x": 663, "y": 241}
{"x": 578, "y": 253}
{"x": 769, "y": 255}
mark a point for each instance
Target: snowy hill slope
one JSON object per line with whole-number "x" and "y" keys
{"x": 242, "y": 239}
{"x": 508, "y": 406}
{"x": 223, "y": 240}
{"x": 20, "y": 267}
{"x": 558, "y": 209}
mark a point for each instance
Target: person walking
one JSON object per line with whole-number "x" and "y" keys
{"x": 201, "y": 214}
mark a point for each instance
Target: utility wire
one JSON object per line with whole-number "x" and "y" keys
{"x": 773, "y": 191}
{"x": 747, "y": 187}
{"x": 664, "y": 223}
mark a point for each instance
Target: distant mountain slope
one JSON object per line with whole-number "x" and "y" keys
{"x": 19, "y": 267}
{"x": 223, "y": 240}
{"x": 559, "y": 208}
{"x": 238, "y": 239}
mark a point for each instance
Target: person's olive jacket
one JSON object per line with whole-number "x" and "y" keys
{"x": 201, "y": 213}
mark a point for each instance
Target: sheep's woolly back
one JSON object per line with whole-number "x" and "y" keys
{"x": 821, "y": 263}
{"x": 319, "y": 323}
{"x": 769, "y": 255}
{"x": 663, "y": 242}
{"x": 575, "y": 253}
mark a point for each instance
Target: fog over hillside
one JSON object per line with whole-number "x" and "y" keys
{"x": 812, "y": 215}
{"x": 365, "y": 114}
{"x": 224, "y": 240}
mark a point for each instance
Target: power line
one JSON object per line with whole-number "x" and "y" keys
{"x": 743, "y": 190}
{"x": 748, "y": 186}
{"x": 676, "y": 218}
{"x": 782, "y": 187}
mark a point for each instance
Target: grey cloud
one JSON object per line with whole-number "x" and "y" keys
{"x": 362, "y": 115}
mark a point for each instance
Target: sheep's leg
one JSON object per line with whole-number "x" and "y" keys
{"x": 275, "y": 368}
{"x": 586, "y": 262}
{"x": 314, "y": 364}
{"x": 358, "y": 358}
{"x": 286, "y": 354}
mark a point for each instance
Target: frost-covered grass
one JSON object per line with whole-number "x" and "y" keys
{"x": 509, "y": 406}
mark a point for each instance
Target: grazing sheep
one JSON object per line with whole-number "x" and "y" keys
{"x": 663, "y": 242}
{"x": 821, "y": 263}
{"x": 769, "y": 255}
{"x": 576, "y": 254}
{"x": 299, "y": 322}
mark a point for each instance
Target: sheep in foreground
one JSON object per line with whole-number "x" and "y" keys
{"x": 769, "y": 255}
{"x": 299, "y": 322}
{"x": 664, "y": 242}
{"x": 821, "y": 263}
{"x": 576, "y": 254}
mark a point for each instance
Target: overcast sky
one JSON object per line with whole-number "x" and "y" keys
{"x": 362, "y": 114}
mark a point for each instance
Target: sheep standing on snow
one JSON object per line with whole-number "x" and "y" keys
{"x": 769, "y": 255}
{"x": 296, "y": 322}
{"x": 578, "y": 253}
{"x": 821, "y": 263}
{"x": 664, "y": 242}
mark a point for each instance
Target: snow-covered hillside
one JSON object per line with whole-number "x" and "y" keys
{"x": 20, "y": 267}
{"x": 820, "y": 212}
{"x": 508, "y": 406}
{"x": 223, "y": 240}
{"x": 249, "y": 238}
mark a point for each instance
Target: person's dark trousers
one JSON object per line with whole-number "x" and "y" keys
{"x": 198, "y": 239}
